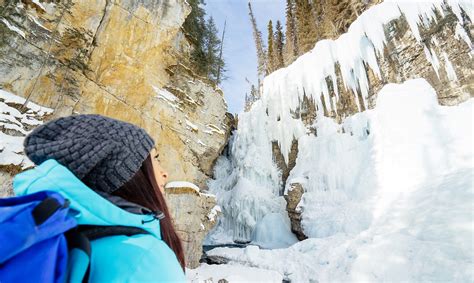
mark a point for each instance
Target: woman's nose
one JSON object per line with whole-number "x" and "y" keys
{"x": 165, "y": 175}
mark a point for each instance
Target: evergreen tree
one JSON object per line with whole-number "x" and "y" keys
{"x": 257, "y": 36}
{"x": 291, "y": 45}
{"x": 212, "y": 46}
{"x": 279, "y": 43}
{"x": 195, "y": 27}
{"x": 251, "y": 98}
{"x": 270, "y": 51}
{"x": 254, "y": 94}
{"x": 206, "y": 58}
{"x": 305, "y": 26}
{"x": 220, "y": 67}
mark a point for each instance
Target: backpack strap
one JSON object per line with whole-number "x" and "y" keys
{"x": 94, "y": 232}
{"x": 81, "y": 236}
{"x": 77, "y": 240}
{"x": 46, "y": 208}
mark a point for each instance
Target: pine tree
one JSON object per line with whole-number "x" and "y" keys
{"x": 220, "y": 66}
{"x": 206, "y": 58}
{"x": 305, "y": 26}
{"x": 270, "y": 51}
{"x": 291, "y": 45}
{"x": 257, "y": 36}
{"x": 212, "y": 46}
{"x": 279, "y": 43}
{"x": 195, "y": 27}
{"x": 251, "y": 98}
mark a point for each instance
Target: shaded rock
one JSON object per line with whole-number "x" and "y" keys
{"x": 194, "y": 214}
{"x": 293, "y": 198}
{"x": 214, "y": 259}
{"x": 280, "y": 160}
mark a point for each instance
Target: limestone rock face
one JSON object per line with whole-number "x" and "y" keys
{"x": 335, "y": 16}
{"x": 185, "y": 204}
{"x": 118, "y": 58}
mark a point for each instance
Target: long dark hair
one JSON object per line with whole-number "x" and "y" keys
{"x": 143, "y": 189}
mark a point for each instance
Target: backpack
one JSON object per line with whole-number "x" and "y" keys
{"x": 39, "y": 240}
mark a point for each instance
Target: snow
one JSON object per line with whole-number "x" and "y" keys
{"x": 14, "y": 28}
{"x": 211, "y": 128}
{"x": 449, "y": 68}
{"x": 232, "y": 273}
{"x": 432, "y": 58}
{"x": 392, "y": 185}
{"x": 182, "y": 184}
{"x": 37, "y": 2}
{"x": 8, "y": 97}
{"x": 31, "y": 17}
{"x": 16, "y": 126}
{"x": 201, "y": 142}
{"x": 461, "y": 34}
{"x": 192, "y": 126}
{"x": 168, "y": 97}
{"x": 214, "y": 212}
{"x": 426, "y": 236}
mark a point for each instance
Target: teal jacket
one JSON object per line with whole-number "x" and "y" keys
{"x": 138, "y": 258}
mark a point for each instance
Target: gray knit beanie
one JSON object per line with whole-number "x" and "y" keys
{"x": 102, "y": 152}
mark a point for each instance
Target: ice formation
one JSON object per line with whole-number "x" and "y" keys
{"x": 247, "y": 182}
{"x": 362, "y": 44}
{"x": 392, "y": 185}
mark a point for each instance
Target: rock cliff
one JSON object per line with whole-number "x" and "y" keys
{"x": 123, "y": 59}
{"x": 120, "y": 58}
{"x": 335, "y": 16}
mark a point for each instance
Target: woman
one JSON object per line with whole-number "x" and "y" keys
{"x": 110, "y": 172}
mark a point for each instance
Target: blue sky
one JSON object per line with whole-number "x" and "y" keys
{"x": 239, "y": 48}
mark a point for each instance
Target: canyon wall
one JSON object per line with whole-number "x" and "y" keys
{"x": 123, "y": 59}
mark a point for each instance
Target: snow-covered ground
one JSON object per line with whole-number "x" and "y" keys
{"x": 231, "y": 273}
